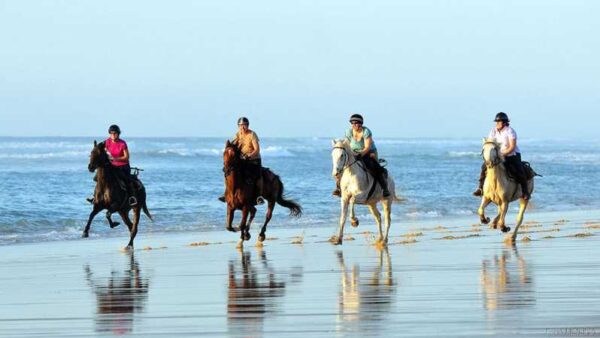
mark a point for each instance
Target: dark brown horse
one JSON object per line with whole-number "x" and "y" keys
{"x": 111, "y": 195}
{"x": 240, "y": 195}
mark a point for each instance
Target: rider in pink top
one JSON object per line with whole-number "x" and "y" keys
{"x": 117, "y": 149}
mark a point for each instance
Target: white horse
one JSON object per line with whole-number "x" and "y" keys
{"x": 356, "y": 185}
{"x": 500, "y": 190}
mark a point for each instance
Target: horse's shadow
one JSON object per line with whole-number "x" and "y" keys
{"x": 254, "y": 288}
{"x": 118, "y": 297}
{"x": 366, "y": 296}
{"x": 506, "y": 282}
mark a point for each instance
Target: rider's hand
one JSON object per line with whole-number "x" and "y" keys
{"x": 358, "y": 156}
{"x": 244, "y": 157}
{"x": 110, "y": 157}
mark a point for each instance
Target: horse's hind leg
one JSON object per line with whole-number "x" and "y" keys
{"x": 134, "y": 227}
{"x": 245, "y": 235}
{"x": 377, "y": 215}
{"x": 86, "y": 230}
{"x": 387, "y": 214}
{"x": 502, "y": 221}
{"x": 270, "y": 207}
{"x": 494, "y": 223}
{"x": 125, "y": 217}
{"x": 522, "y": 207}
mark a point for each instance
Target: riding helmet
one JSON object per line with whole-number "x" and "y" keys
{"x": 501, "y": 117}
{"x": 243, "y": 120}
{"x": 114, "y": 129}
{"x": 356, "y": 118}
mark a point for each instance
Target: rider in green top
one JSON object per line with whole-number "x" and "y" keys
{"x": 361, "y": 142}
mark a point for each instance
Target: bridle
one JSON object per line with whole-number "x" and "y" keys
{"x": 228, "y": 170}
{"x": 345, "y": 155}
{"x": 497, "y": 159}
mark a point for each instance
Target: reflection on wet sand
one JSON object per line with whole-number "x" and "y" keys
{"x": 366, "y": 297}
{"x": 253, "y": 293}
{"x": 118, "y": 298}
{"x": 506, "y": 282}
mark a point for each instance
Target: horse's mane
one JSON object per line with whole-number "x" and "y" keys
{"x": 343, "y": 143}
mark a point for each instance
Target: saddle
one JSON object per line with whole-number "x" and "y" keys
{"x": 529, "y": 172}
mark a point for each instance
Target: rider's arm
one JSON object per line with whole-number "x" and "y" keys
{"x": 255, "y": 146}
{"x": 367, "y": 148}
{"x": 512, "y": 144}
{"x": 124, "y": 158}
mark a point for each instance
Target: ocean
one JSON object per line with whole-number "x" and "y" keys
{"x": 44, "y": 182}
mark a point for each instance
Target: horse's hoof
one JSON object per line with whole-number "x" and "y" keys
{"x": 128, "y": 248}
{"x": 354, "y": 222}
{"x": 85, "y": 235}
{"x": 335, "y": 240}
{"x": 114, "y": 225}
{"x": 505, "y": 229}
{"x": 232, "y": 229}
{"x": 247, "y": 236}
{"x": 485, "y": 220}
{"x": 261, "y": 237}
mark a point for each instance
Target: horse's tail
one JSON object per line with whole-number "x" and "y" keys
{"x": 295, "y": 208}
{"x": 399, "y": 199}
{"x": 146, "y": 211}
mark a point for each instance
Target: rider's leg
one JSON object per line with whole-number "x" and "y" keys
{"x": 479, "y": 191}
{"x": 377, "y": 171}
{"x": 516, "y": 166}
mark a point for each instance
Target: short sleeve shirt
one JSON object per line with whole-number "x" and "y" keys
{"x": 359, "y": 145}
{"x": 244, "y": 142}
{"x": 503, "y": 136}
{"x": 116, "y": 149}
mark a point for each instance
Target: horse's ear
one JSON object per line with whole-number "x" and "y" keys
{"x": 484, "y": 141}
{"x": 333, "y": 142}
{"x": 95, "y": 144}
{"x": 228, "y": 144}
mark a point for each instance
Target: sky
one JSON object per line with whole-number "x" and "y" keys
{"x": 419, "y": 68}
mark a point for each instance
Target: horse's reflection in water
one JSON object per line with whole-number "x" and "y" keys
{"x": 253, "y": 292}
{"x": 118, "y": 297}
{"x": 506, "y": 282}
{"x": 366, "y": 296}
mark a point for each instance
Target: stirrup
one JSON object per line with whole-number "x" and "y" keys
{"x": 222, "y": 198}
{"x": 90, "y": 200}
{"x": 260, "y": 200}
{"x": 337, "y": 192}
{"x": 386, "y": 193}
{"x": 133, "y": 201}
{"x": 478, "y": 192}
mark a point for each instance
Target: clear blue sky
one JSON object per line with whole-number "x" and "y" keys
{"x": 190, "y": 68}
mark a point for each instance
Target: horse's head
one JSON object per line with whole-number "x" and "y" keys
{"x": 339, "y": 154}
{"x": 231, "y": 156}
{"x": 491, "y": 153}
{"x": 98, "y": 157}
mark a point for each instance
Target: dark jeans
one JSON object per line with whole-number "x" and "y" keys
{"x": 372, "y": 164}
{"x": 252, "y": 169}
{"x": 515, "y": 169}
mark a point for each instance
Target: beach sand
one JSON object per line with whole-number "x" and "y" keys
{"x": 452, "y": 278}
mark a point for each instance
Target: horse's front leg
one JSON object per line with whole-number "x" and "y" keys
{"x": 481, "y": 211}
{"x": 95, "y": 211}
{"x": 338, "y": 240}
{"x": 245, "y": 235}
{"x": 110, "y": 221}
{"x": 353, "y": 220}
{"x": 229, "y": 219}
{"x": 502, "y": 220}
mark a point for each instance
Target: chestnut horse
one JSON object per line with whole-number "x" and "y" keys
{"x": 110, "y": 195}
{"x": 240, "y": 195}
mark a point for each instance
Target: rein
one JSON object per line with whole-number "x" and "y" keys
{"x": 497, "y": 160}
{"x": 346, "y": 166}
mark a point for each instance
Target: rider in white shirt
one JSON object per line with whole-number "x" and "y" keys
{"x": 504, "y": 134}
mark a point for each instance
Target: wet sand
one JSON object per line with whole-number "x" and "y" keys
{"x": 451, "y": 278}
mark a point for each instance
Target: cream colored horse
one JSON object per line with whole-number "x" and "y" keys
{"x": 356, "y": 183}
{"x": 500, "y": 190}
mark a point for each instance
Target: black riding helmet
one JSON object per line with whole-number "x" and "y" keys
{"x": 243, "y": 120}
{"x": 501, "y": 117}
{"x": 114, "y": 129}
{"x": 356, "y": 118}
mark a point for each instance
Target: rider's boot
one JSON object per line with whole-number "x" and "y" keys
{"x": 383, "y": 183}
{"x": 259, "y": 191}
{"x": 525, "y": 189}
{"x": 131, "y": 191}
{"x": 479, "y": 191}
{"x": 337, "y": 191}
{"x": 222, "y": 198}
